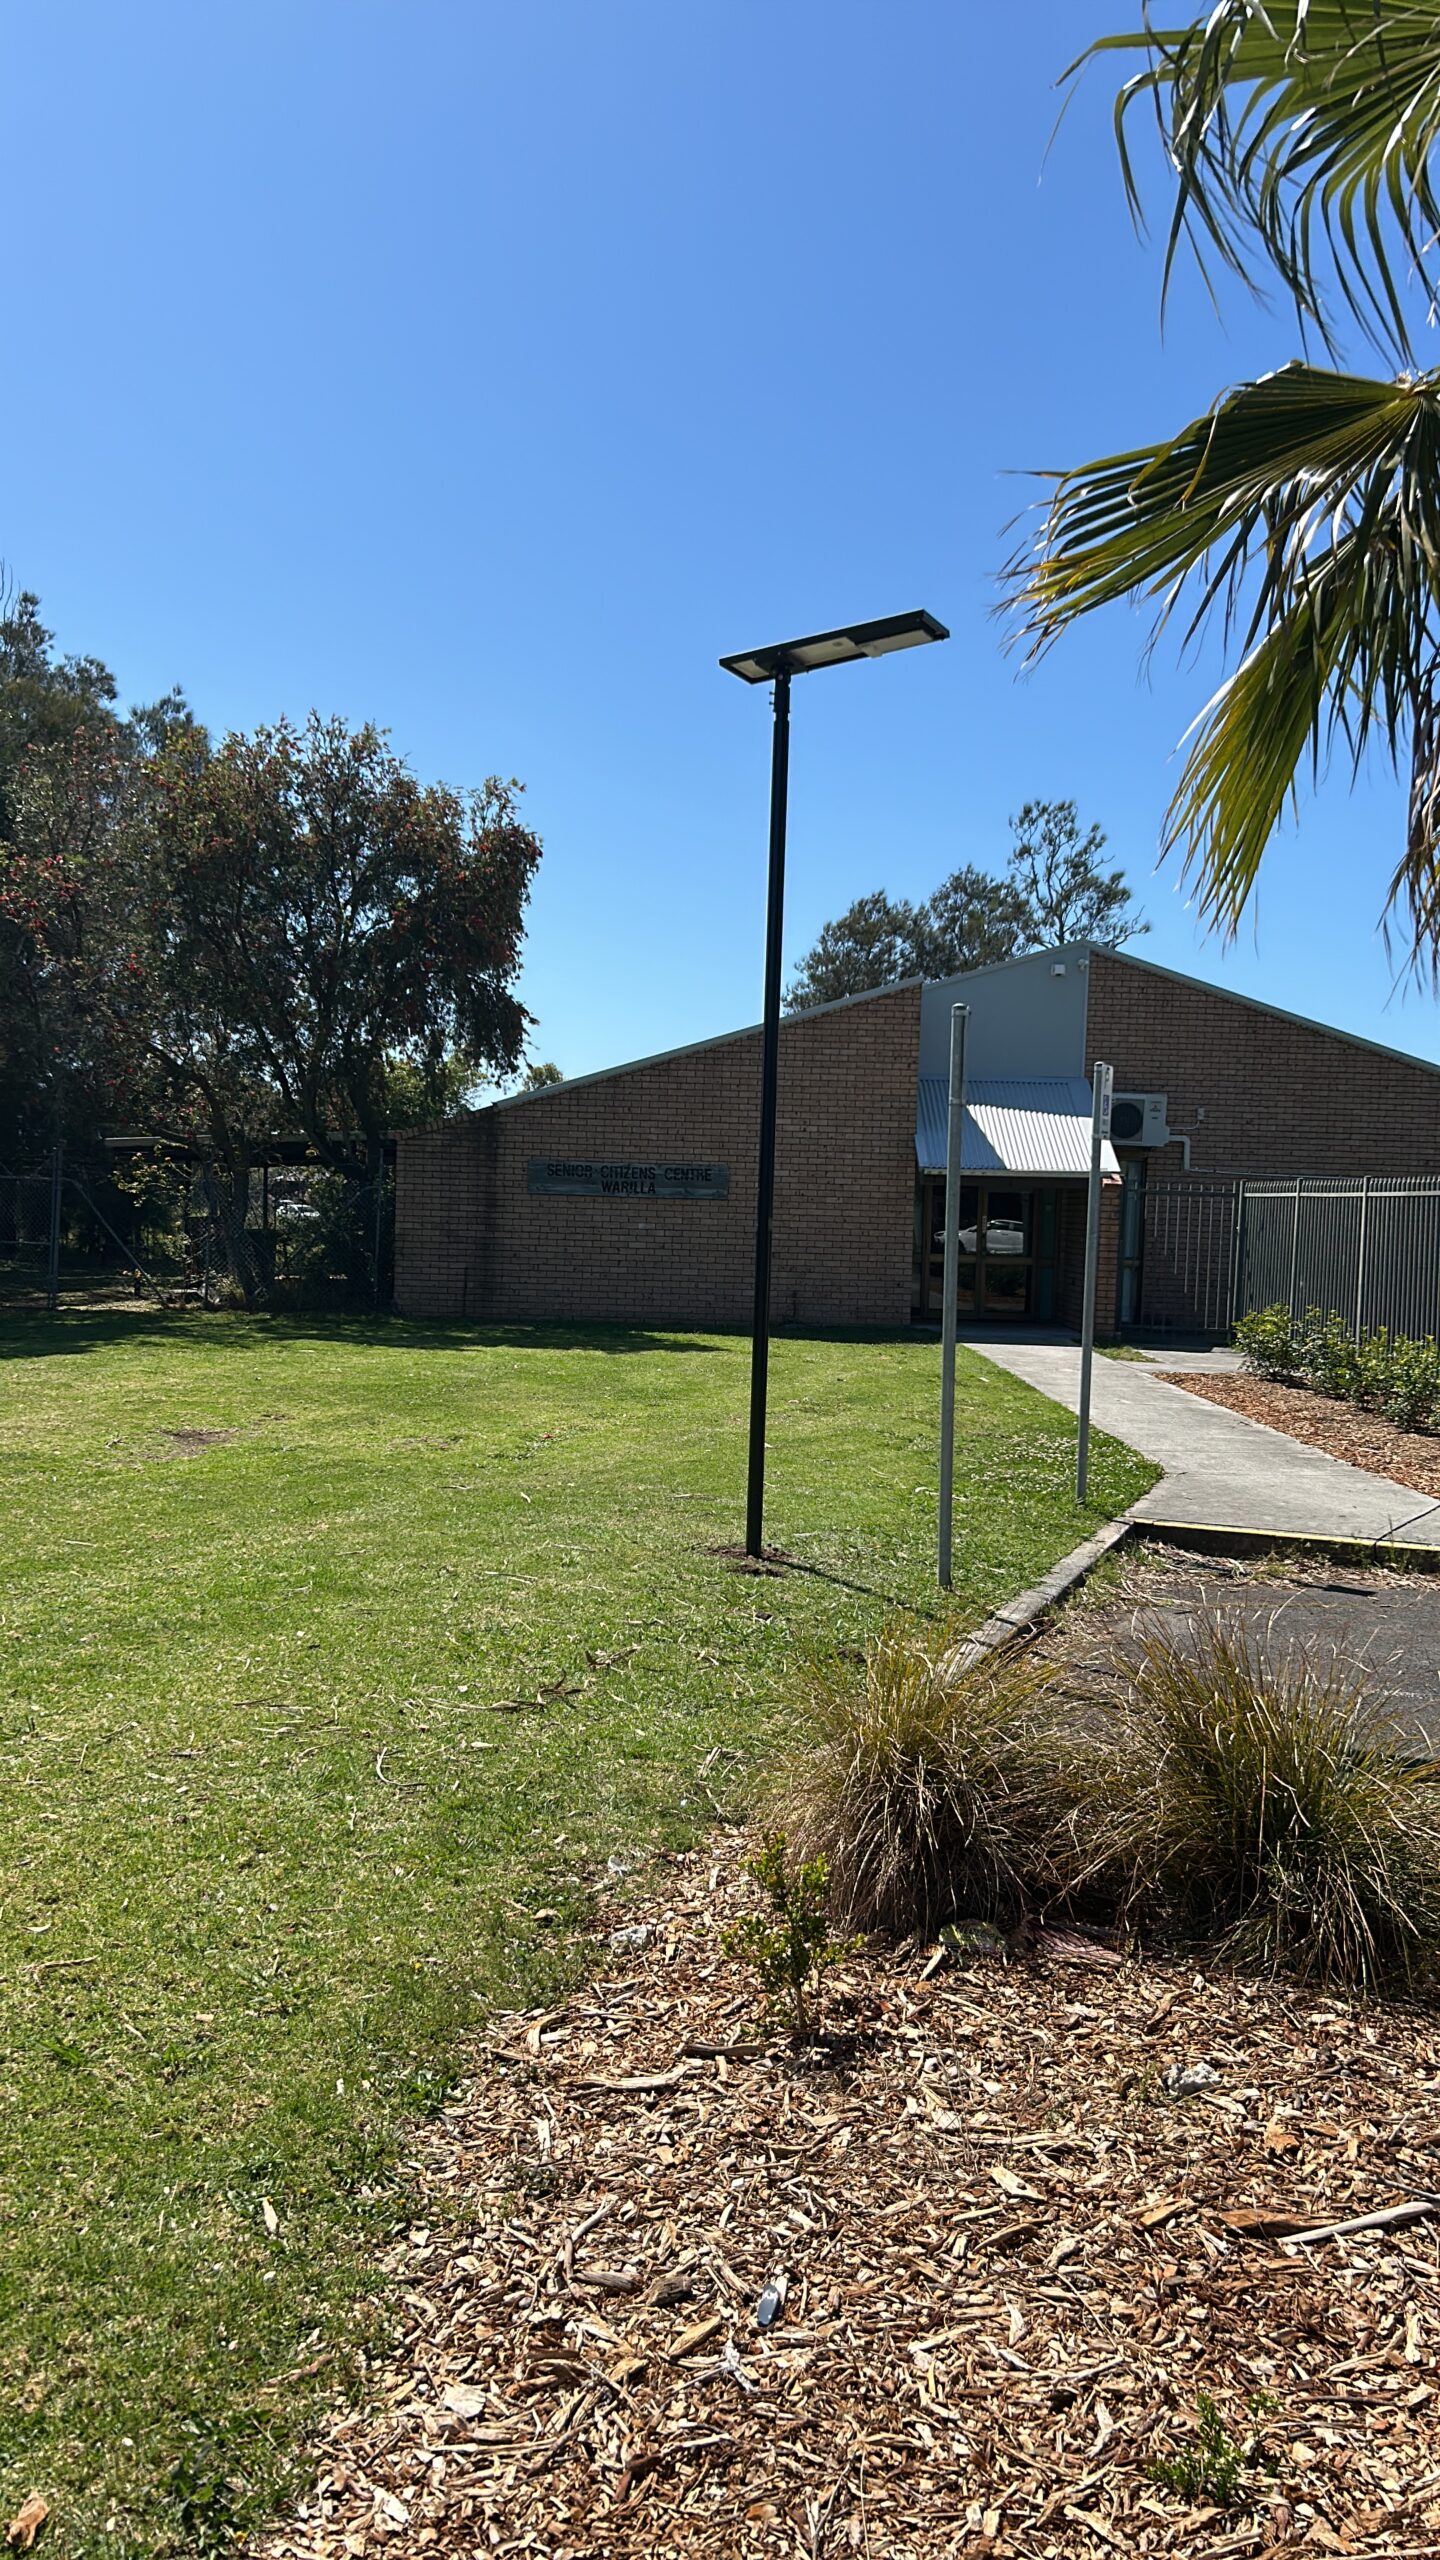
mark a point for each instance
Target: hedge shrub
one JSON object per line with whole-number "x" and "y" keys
{"x": 1384, "y": 1372}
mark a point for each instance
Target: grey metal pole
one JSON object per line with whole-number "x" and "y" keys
{"x": 769, "y": 1088}
{"x": 959, "y": 1025}
{"x": 1104, "y": 1084}
{"x": 57, "y": 1183}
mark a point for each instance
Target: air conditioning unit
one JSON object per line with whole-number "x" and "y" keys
{"x": 1140, "y": 1120}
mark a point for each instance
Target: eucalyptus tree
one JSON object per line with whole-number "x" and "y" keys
{"x": 1054, "y": 889}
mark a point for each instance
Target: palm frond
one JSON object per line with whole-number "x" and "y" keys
{"x": 1301, "y": 514}
{"x": 1303, "y": 129}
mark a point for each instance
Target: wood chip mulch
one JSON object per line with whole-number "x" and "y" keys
{"x": 1007, "y": 2270}
{"x": 1364, "y": 1439}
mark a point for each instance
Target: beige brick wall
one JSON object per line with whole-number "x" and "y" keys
{"x": 1072, "y": 1208}
{"x": 1278, "y": 1097}
{"x": 471, "y": 1239}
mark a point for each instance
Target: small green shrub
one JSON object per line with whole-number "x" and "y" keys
{"x": 925, "y": 1787}
{"x": 1211, "y": 2471}
{"x": 1329, "y": 1358}
{"x": 1410, "y": 1397}
{"x": 1375, "y": 1355}
{"x": 1383, "y": 1373}
{"x": 1269, "y": 1805}
{"x": 791, "y": 1948}
{"x": 1266, "y": 1343}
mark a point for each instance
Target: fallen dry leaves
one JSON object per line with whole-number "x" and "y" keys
{"x": 1007, "y": 2269}
{"x": 20, "y": 2532}
{"x": 1363, "y": 1439}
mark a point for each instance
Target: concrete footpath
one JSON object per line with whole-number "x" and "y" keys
{"x": 1221, "y": 1471}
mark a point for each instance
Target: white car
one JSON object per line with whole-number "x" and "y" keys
{"x": 1005, "y": 1235}
{"x": 1002, "y": 1235}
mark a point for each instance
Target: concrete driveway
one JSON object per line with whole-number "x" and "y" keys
{"x": 1221, "y": 1471}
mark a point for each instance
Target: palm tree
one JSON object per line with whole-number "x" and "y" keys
{"x": 1302, "y": 512}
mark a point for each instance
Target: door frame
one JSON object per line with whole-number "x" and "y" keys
{"x": 931, "y": 1259}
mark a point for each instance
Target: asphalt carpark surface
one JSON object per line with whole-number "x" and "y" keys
{"x": 1384, "y": 1626}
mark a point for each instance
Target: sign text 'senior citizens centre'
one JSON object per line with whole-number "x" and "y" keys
{"x": 566, "y": 1177}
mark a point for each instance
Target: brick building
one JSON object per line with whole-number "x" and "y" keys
{"x": 629, "y": 1196}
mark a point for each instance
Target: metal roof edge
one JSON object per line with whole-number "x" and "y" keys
{"x": 997, "y": 1108}
{"x": 1017, "y": 960}
{"x": 690, "y": 1048}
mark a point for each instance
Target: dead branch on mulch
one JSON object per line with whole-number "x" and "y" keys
{"x": 1363, "y": 1439}
{"x": 1011, "y": 2262}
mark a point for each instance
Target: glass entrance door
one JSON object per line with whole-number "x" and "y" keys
{"x": 1003, "y": 1235}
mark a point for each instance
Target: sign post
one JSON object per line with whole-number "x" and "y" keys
{"x": 1104, "y": 1084}
{"x": 959, "y": 1024}
{"x": 57, "y": 1187}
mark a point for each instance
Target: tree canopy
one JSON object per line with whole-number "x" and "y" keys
{"x": 44, "y": 700}
{"x": 282, "y": 936}
{"x": 66, "y": 756}
{"x": 324, "y": 914}
{"x": 1054, "y": 889}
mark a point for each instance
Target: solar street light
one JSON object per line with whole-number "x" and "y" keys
{"x": 776, "y": 666}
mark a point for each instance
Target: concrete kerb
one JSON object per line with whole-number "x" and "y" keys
{"x": 1224, "y": 1540}
{"x": 1022, "y": 1615}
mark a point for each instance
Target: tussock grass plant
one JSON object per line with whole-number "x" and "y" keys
{"x": 926, "y": 1786}
{"x": 1264, "y": 1804}
{"x": 1267, "y": 1804}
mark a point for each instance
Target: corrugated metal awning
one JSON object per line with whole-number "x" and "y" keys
{"x": 1038, "y": 1126}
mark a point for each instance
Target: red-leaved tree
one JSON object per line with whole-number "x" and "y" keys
{"x": 246, "y": 941}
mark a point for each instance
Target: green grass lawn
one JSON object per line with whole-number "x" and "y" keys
{"x": 270, "y": 1851}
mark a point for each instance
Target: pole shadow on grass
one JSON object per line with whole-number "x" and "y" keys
{"x": 773, "y": 1563}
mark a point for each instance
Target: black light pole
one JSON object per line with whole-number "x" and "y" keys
{"x": 769, "y": 1093}
{"x": 776, "y": 666}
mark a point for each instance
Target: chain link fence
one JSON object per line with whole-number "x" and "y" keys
{"x": 173, "y": 1231}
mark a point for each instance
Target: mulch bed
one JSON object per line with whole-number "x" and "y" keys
{"x": 1009, "y": 2269}
{"x": 1341, "y": 1430}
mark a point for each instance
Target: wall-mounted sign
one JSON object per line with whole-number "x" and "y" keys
{"x": 579, "y": 1177}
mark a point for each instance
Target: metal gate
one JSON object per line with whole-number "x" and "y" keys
{"x": 1186, "y": 1258}
{"x": 29, "y": 1227}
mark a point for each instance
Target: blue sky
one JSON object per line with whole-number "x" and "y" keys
{"x": 489, "y": 370}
